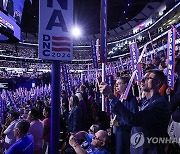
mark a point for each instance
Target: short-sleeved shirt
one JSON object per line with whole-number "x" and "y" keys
{"x": 10, "y": 139}
{"x": 88, "y": 141}
{"x": 22, "y": 146}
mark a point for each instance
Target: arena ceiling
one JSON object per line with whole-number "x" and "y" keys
{"x": 87, "y": 14}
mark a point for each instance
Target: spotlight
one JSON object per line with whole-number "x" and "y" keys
{"x": 76, "y": 32}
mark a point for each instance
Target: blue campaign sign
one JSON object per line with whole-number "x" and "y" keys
{"x": 56, "y": 20}
{"x": 171, "y": 57}
{"x": 134, "y": 51}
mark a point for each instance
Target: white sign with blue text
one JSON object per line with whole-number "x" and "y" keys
{"x": 56, "y": 20}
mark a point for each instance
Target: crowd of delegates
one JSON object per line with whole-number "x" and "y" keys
{"x": 146, "y": 112}
{"x": 82, "y": 54}
{"x": 18, "y": 51}
{"x": 123, "y": 47}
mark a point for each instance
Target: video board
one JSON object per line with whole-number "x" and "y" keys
{"x": 13, "y": 8}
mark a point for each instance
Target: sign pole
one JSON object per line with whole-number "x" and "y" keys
{"x": 103, "y": 45}
{"x": 55, "y": 43}
{"x": 55, "y": 102}
{"x": 103, "y": 80}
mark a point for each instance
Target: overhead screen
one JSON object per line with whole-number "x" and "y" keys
{"x": 10, "y": 18}
{"x": 13, "y": 8}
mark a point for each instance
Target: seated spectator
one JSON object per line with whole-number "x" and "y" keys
{"x": 88, "y": 136}
{"x": 84, "y": 138}
{"x": 24, "y": 141}
{"x": 98, "y": 144}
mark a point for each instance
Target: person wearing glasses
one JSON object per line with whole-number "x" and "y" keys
{"x": 84, "y": 136}
{"x": 88, "y": 136}
{"x": 153, "y": 118}
{"x": 98, "y": 143}
{"x": 122, "y": 128}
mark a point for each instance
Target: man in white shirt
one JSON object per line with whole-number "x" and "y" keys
{"x": 13, "y": 118}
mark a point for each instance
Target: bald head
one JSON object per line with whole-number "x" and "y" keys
{"x": 103, "y": 135}
{"x": 100, "y": 139}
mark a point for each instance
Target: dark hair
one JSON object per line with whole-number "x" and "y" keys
{"x": 15, "y": 115}
{"x": 23, "y": 126}
{"x": 163, "y": 64}
{"x": 125, "y": 79}
{"x": 107, "y": 140}
{"x": 158, "y": 74}
{"x": 83, "y": 87}
{"x": 149, "y": 67}
{"x": 103, "y": 120}
{"x": 63, "y": 92}
{"x": 75, "y": 100}
{"x": 34, "y": 113}
{"x": 91, "y": 93}
{"x": 48, "y": 110}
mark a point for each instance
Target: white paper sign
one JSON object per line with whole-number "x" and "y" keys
{"x": 55, "y": 23}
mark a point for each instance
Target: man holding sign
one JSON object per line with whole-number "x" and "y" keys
{"x": 151, "y": 121}
{"x": 123, "y": 129}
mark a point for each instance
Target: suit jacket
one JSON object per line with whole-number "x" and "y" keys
{"x": 150, "y": 122}
{"x": 132, "y": 105}
{"x": 75, "y": 120}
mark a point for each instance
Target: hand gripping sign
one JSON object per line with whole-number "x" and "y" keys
{"x": 124, "y": 97}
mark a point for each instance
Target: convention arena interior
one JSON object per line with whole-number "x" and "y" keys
{"x": 89, "y": 77}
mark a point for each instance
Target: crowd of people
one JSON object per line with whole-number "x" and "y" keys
{"x": 147, "y": 121}
{"x": 148, "y": 112}
{"x": 18, "y": 50}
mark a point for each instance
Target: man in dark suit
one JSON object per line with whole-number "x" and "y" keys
{"x": 153, "y": 118}
{"x": 75, "y": 117}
